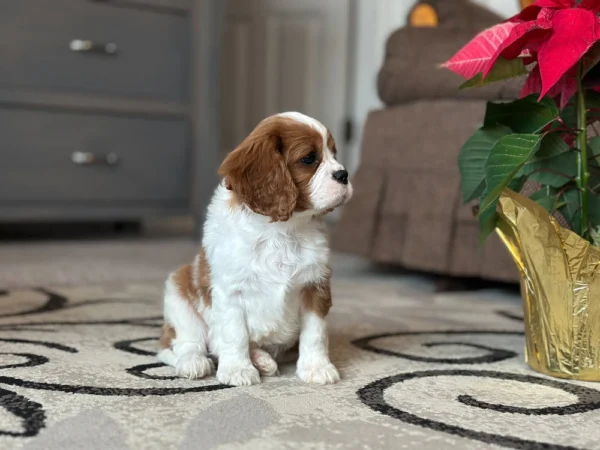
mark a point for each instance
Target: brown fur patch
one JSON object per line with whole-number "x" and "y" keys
{"x": 193, "y": 284}
{"x": 317, "y": 297}
{"x": 183, "y": 279}
{"x": 166, "y": 336}
{"x": 302, "y": 140}
{"x": 234, "y": 202}
{"x": 193, "y": 281}
{"x": 204, "y": 279}
{"x": 266, "y": 172}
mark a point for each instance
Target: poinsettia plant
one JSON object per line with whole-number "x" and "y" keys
{"x": 543, "y": 135}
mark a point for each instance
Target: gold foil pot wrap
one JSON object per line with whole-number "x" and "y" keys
{"x": 560, "y": 285}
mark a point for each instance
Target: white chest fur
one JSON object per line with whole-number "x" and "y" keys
{"x": 260, "y": 268}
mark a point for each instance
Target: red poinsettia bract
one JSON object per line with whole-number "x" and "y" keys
{"x": 551, "y": 35}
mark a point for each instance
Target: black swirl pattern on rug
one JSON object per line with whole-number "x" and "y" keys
{"x": 510, "y": 315}
{"x": 32, "y": 360}
{"x": 493, "y": 354}
{"x": 33, "y": 417}
{"x": 373, "y": 395}
{"x": 56, "y": 302}
{"x": 108, "y": 391}
{"x": 32, "y": 414}
{"x": 127, "y": 346}
{"x": 53, "y": 345}
{"x": 140, "y": 370}
{"x": 145, "y": 322}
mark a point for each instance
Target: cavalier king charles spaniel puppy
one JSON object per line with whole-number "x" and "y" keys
{"x": 261, "y": 281}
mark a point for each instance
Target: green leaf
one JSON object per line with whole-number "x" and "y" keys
{"x": 546, "y": 198}
{"x": 489, "y": 217}
{"x": 506, "y": 158}
{"x": 487, "y": 222}
{"x": 570, "y": 209}
{"x": 551, "y": 163}
{"x": 503, "y": 70}
{"x": 594, "y": 150}
{"x": 594, "y": 144}
{"x": 592, "y": 99}
{"x": 472, "y": 157}
{"x": 569, "y": 113}
{"x": 552, "y": 145}
{"x": 594, "y": 209}
{"x": 517, "y": 184}
{"x": 556, "y": 171}
{"x": 523, "y": 116}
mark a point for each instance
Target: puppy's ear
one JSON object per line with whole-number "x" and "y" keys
{"x": 257, "y": 173}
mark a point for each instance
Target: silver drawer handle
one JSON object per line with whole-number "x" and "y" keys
{"x": 88, "y": 158}
{"x": 81, "y": 45}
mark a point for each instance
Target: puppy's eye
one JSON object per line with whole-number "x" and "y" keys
{"x": 309, "y": 159}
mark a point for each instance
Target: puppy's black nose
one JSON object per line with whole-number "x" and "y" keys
{"x": 341, "y": 176}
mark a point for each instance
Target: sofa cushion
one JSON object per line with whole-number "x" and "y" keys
{"x": 411, "y": 68}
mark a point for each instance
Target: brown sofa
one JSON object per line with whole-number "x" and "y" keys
{"x": 407, "y": 207}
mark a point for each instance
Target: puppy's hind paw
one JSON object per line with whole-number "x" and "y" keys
{"x": 193, "y": 365}
{"x": 264, "y": 362}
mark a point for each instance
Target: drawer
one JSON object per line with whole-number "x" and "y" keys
{"x": 37, "y": 38}
{"x": 161, "y": 5}
{"x": 37, "y": 150}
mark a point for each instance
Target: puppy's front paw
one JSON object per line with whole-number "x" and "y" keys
{"x": 193, "y": 365}
{"x": 238, "y": 375}
{"x": 318, "y": 373}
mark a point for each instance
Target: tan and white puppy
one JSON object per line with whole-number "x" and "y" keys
{"x": 260, "y": 283}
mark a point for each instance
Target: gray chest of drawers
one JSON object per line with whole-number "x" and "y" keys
{"x": 108, "y": 109}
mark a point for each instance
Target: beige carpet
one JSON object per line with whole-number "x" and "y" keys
{"x": 83, "y": 261}
{"x": 420, "y": 371}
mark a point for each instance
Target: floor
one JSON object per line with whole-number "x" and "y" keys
{"x": 76, "y": 254}
{"x": 80, "y": 317}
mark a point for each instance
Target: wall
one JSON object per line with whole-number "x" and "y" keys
{"x": 374, "y": 20}
{"x": 505, "y": 8}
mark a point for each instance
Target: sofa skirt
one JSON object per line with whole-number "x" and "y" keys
{"x": 407, "y": 207}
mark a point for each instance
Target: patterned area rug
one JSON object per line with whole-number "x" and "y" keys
{"x": 419, "y": 371}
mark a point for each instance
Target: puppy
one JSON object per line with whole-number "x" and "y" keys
{"x": 260, "y": 283}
